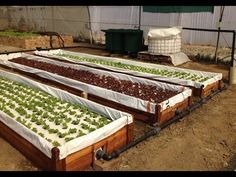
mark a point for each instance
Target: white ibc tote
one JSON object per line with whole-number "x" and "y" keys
{"x": 164, "y": 40}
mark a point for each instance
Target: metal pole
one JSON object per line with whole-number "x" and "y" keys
{"x": 232, "y": 52}
{"x": 212, "y": 30}
{"x": 218, "y": 36}
{"x": 90, "y": 26}
{"x": 139, "y": 21}
{"x": 232, "y": 57}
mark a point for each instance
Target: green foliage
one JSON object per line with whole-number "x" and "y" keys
{"x": 159, "y": 72}
{"x": 35, "y": 108}
{"x": 56, "y": 144}
{"x": 17, "y": 34}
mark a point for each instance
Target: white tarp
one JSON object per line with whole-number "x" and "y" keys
{"x": 159, "y": 33}
{"x": 167, "y": 42}
{"x": 127, "y": 100}
{"x": 178, "y": 58}
{"x": 216, "y": 76}
{"x": 120, "y": 120}
{"x": 64, "y": 19}
{"x": 118, "y": 17}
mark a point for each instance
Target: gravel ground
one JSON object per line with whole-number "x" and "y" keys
{"x": 194, "y": 50}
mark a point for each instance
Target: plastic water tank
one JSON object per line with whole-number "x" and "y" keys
{"x": 164, "y": 40}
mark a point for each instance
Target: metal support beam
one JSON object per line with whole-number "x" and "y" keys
{"x": 139, "y": 21}
{"x": 232, "y": 51}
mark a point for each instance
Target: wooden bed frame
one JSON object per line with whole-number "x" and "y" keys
{"x": 204, "y": 92}
{"x": 197, "y": 92}
{"x": 79, "y": 160}
{"x": 158, "y": 118}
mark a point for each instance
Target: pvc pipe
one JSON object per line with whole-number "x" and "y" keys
{"x": 212, "y": 30}
{"x": 100, "y": 154}
{"x": 232, "y": 77}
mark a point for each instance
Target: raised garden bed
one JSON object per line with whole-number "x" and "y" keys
{"x": 150, "y": 101}
{"x": 202, "y": 83}
{"x": 57, "y": 131}
{"x": 29, "y": 40}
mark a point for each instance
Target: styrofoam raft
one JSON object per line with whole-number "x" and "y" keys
{"x": 120, "y": 119}
{"x": 127, "y": 100}
{"x": 215, "y": 76}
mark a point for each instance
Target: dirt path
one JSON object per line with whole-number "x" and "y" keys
{"x": 12, "y": 160}
{"x": 203, "y": 140}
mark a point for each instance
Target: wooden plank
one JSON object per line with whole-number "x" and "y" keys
{"x": 130, "y": 133}
{"x": 210, "y": 88}
{"x": 81, "y": 163}
{"x": 76, "y": 155}
{"x": 116, "y": 143}
{"x": 78, "y": 161}
{"x": 170, "y": 112}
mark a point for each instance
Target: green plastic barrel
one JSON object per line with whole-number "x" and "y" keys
{"x": 114, "y": 40}
{"x": 124, "y": 40}
{"x": 133, "y": 41}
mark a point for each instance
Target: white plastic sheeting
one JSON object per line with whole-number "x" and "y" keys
{"x": 157, "y": 33}
{"x": 105, "y": 17}
{"x": 74, "y": 20}
{"x": 120, "y": 120}
{"x": 177, "y": 58}
{"x": 165, "y": 41}
{"x": 216, "y": 76}
{"x": 127, "y": 100}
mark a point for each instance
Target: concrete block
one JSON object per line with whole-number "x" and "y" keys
{"x": 102, "y": 165}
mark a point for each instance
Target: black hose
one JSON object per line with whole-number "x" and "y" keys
{"x": 100, "y": 154}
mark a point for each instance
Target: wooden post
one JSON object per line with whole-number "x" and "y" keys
{"x": 157, "y": 117}
{"x": 56, "y": 162}
{"x": 84, "y": 95}
{"x": 202, "y": 91}
{"x": 130, "y": 132}
{"x": 189, "y": 100}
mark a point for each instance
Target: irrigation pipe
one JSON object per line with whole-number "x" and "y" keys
{"x": 100, "y": 154}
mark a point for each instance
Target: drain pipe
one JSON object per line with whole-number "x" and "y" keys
{"x": 100, "y": 154}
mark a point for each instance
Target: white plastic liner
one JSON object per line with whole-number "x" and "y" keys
{"x": 120, "y": 120}
{"x": 164, "y": 45}
{"x": 167, "y": 42}
{"x": 216, "y": 76}
{"x": 178, "y": 58}
{"x": 127, "y": 100}
{"x": 164, "y": 32}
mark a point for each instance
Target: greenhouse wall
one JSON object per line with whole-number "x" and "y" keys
{"x": 68, "y": 20}
{"x": 104, "y": 17}
{"x": 86, "y": 22}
